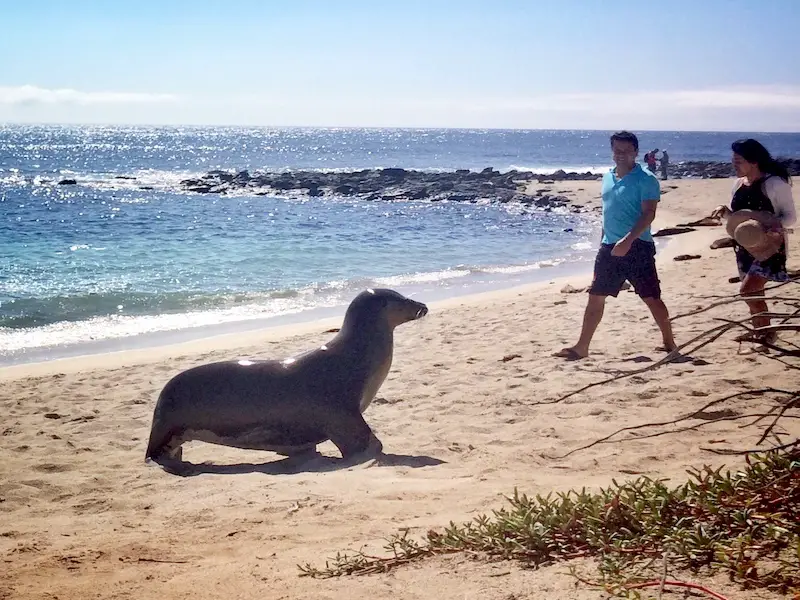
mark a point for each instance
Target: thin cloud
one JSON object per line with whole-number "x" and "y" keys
{"x": 649, "y": 101}
{"x": 28, "y": 95}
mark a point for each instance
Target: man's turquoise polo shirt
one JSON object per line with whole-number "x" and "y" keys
{"x": 622, "y": 202}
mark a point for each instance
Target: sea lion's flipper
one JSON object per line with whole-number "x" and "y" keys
{"x": 352, "y": 436}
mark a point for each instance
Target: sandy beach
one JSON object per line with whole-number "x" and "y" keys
{"x": 82, "y": 516}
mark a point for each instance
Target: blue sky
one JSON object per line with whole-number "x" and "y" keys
{"x": 663, "y": 64}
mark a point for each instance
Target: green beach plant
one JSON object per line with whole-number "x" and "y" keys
{"x": 744, "y": 524}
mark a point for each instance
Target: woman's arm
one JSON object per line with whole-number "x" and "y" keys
{"x": 723, "y": 210}
{"x": 780, "y": 194}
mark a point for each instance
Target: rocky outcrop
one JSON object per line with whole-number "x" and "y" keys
{"x": 390, "y": 184}
{"x": 462, "y": 185}
{"x": 719, "y": 170}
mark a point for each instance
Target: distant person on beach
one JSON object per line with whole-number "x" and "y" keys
{"x": 664, "y": 164}
{"x": 650, "y": 159}
{"x": 762, "y": 203}
{"x": 627, "y": 250}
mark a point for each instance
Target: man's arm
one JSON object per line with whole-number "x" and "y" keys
{"x": 651, "y": 194}
{"x": 648, "y": 215}
{"x": 622, "y": 247}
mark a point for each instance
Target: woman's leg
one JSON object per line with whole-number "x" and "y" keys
{"x": 753, "y": 285}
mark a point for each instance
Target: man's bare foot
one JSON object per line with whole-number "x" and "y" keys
{"x": 570, "y": 354}
{"x": 667, "y": 347}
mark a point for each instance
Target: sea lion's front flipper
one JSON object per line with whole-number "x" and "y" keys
{"x": 352, "y": 436}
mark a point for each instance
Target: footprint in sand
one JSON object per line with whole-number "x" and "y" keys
{"x": 51, "y": 468}
{"x": 710, "y": 415}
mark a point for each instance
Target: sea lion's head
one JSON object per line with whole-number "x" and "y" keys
{"x": 383, "y": 304}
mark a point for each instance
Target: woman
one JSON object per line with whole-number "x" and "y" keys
{"x": 763, "y": 186}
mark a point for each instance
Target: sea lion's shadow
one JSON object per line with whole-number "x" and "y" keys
{"x": 316, "y": 464}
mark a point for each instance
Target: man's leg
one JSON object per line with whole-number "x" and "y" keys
{"x": 608, "y": 279}
{"x": 591, "y": 319}
{"x": 661, "y": 316}
{"x": 644, "y": 277}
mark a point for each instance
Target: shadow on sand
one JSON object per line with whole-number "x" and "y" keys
{"x": 311, "y": 463}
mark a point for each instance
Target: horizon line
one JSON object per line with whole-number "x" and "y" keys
{"x": 377, "y": 127}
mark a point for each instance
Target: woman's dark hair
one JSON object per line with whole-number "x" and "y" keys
{"x": 754, "y": 152}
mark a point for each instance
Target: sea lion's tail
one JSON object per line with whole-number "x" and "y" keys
{"x": 157, "y": 444}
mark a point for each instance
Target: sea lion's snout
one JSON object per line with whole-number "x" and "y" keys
{"x": 421, "y": 312}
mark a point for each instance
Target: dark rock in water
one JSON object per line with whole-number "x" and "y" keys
{"x": 124, "y": 177}
{"x": 725, "y": 242}
{"x": 222, "y": 175}
{"x": 199, "y": 187}
{"x": 393, "y": 173}
{"x": 344, "y": 189}
{"x": 461, "y": 197}
{"x": 67, "y": 182}
{"x": 672, "y": 231}
{"x": 681, "y": 257}
{"x": 284, "y": 183}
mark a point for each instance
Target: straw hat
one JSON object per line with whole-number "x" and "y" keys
{"x": 748, "y": 230}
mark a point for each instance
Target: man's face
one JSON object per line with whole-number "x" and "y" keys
{"x": 624, "y": 154}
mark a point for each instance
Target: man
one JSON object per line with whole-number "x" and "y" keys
{"x": 664, "y": 164}
{"x": 627, "y": 251}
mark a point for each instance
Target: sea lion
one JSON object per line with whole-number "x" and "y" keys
{"x": 288, "y": 406}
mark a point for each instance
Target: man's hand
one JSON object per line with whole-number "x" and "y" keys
{"x": 622, "y": 247}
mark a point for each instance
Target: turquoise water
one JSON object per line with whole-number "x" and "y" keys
{"x": 125, "y": 253}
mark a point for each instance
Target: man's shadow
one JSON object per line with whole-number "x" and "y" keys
{"x": 307, "y": 463}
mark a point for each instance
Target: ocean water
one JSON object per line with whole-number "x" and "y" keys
{"x": 125, "y": 254}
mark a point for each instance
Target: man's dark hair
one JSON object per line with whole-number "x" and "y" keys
{"x": 626, "y": 136}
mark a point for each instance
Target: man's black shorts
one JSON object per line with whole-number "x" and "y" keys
{"x": 638, "y": 266}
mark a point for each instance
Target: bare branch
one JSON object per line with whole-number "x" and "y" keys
{"x": 727, "y": 452}
{"x": 694, "y": 414}
{"x": 795, "y": 401}
{"x": 732, "y": 301}
{"x": 766, "y": 289}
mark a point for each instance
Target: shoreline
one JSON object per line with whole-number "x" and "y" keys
{"x": 232, "y": 333}
{"x": 229, "y": 335}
